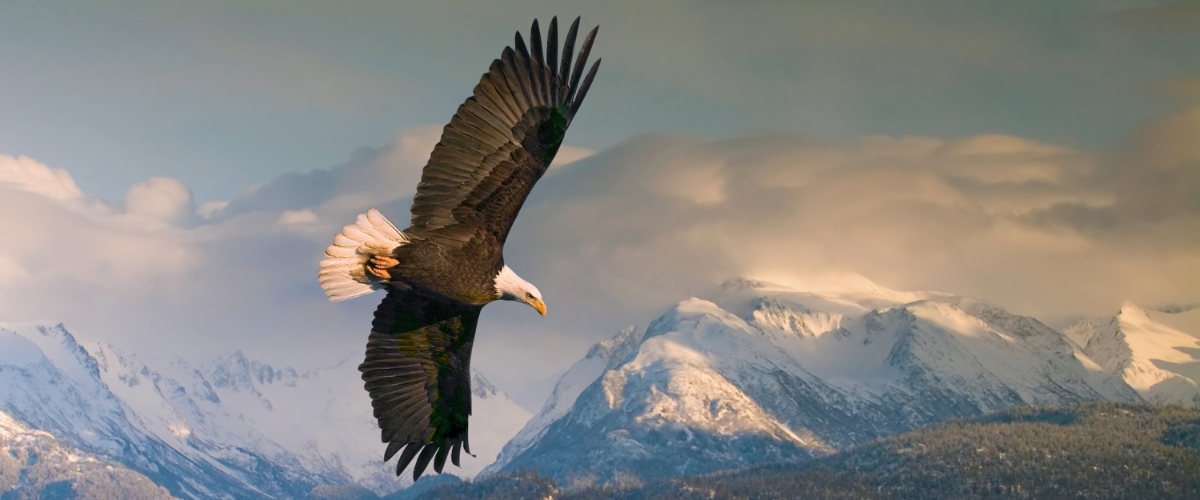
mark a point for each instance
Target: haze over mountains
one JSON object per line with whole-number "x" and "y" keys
{"x": 229, "y": 427}
{"x": 753, "y": 373}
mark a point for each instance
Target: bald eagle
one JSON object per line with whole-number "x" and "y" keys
{"x": 449, "y": 263}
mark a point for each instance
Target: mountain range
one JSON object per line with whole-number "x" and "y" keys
{"x": 231, "y": 427}
{"x": 762, "y": 373}
{"x": 753, "y": 373}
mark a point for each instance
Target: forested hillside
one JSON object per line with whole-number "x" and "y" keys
{"x": 1092, "y": 451}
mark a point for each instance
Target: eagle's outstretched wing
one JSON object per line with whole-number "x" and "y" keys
{"x": 417, "y": 370}
{"x": 502, "y": 139}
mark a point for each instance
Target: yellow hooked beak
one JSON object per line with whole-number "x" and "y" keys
{"x": 539, "y": 305}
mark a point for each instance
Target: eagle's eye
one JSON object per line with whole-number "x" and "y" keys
{"x": 528, "y": 295}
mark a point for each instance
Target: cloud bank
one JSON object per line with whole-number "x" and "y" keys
{"x": 613, "y": 238}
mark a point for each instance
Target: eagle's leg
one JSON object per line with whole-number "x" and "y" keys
{"x": 378, "y": 265}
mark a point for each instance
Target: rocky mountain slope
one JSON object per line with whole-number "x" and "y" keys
{"x": 35, "y": 465}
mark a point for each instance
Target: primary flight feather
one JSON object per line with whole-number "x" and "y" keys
{"x": 440, "y": 271}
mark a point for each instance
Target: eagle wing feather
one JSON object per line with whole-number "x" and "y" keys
{"x": 502, "y": 139}
{"x": 417, "y": 372}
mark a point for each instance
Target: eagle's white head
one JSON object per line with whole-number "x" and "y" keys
{"x": 509, "y": 286}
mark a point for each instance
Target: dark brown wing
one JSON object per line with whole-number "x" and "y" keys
{"x": 502, "y": 139}
{"x": 418, "y": 373}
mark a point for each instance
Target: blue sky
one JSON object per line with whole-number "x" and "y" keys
{"x": 226, "y": 95}
{"x": 171, "y": 172}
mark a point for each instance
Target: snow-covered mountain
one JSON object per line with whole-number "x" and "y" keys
{"x": 33, "y": 464}
{"x": 763, "y": 373}
{"x": 1146, "y": 354}
{"x": 568, "y": 388}
{"x": 229, "y": 427}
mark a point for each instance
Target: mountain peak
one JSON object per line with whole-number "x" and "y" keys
{"x": 43, "y": 333}
{"x": 695, "y": 305}
{"x": 57, "y": 345}
{"x": 236, "y": 371}
{"x": 847, "y": 294}
{"x": 606, "y": 348}
{"x": 691, "y": 312}
{"x": 742, "y": 283}
{"x": 480, "y": 386}
{"x": 1145, "y": 353}
{"x": 1133, "y": 311}
{"x": 17, "y": 350}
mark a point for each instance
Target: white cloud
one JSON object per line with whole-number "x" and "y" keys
{"x": 615, "y": 238}
{"x": 243, "y": 276}
{"x": 297, "y": 217}
{"x": 373, "y": 175}
{"x": 639, "y": 224}
{"x": 27, "y": 174}
{"x": 160, "y": 198}
{"x": 570, "y": 154}
{"x": 79, "y": 256}
{"x": 208, "y": 209}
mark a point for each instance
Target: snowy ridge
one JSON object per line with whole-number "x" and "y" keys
{"x": 772, "y": 373}
{"x": 230, "y": 427}
{"x": 566, "y": 390}
{"x": 695, "y": 367}
{"x": 1140, "y": 350}
{"x": 53, "y": 385}
{"x": 236, "y": 414}
{"x": 34, "y": 464}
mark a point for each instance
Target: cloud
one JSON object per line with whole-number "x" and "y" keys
{"x": 209, "y": 209}
{"x": 63, "y": 255}
{"x": 1160, "y": 178}
{"x": 297, "y": 217}
{"x": 27, "y": 174}
{"x": 569, "y": 154}
{"x": 1152, "y": 183}
{"x": 160, "y": 198}
{"x": 373, "y": 175}
{"x": 1042, "y": 228}
{"x": 620, "y": 234}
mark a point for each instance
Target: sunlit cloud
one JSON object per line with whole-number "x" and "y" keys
{"x": 26, "y": 174}
{"x": 618, "y": 235}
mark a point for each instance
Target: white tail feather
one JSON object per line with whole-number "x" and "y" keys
{"x": 343, "y": 273}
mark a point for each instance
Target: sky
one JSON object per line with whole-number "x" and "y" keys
{"x": 171, "y": 172}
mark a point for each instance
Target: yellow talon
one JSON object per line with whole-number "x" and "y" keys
{"x": 378, "y": 265}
